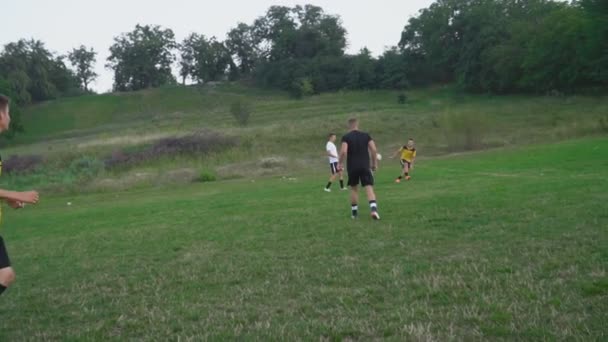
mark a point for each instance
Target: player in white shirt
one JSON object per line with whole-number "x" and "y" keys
{"x": 332, "y": 154}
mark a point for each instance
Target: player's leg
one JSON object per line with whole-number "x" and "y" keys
{"x": 7, "y": 275}
{"x": 353, "y": 183}
{"x": 406, "y": 170}
{"x": 403, "y": 165}
{"x": 341, "y": 174}
{"x": 367, "y": 180}
{"x": 333, "y": 168}
{"x": 354, "y": 201}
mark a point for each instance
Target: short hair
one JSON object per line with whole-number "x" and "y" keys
{"x": 352, "y": 122}
{"x": 411, "y": 139}
{"x": 4, "y": 102}
{"x": 331, "y": 135}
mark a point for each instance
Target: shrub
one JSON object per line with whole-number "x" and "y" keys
{"x": 195, "y": 144}
{"x": 303, "y": 88}
{"x": 401, "y": 98}
{"x": 22, "y": 164}
{"x": 241, "y": 111}
{"x": 464, "y": 131}
{"x": 603, "y": 124}
{"x": 206, "y": 176}
{"x": 86, "y": 167}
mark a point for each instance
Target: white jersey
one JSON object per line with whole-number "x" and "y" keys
{"x": 331, "y": 148}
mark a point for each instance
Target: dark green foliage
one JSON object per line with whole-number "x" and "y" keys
{"x": 15, "y": 111}
{"x": 83, "y": 60}
{"x": 142, "y": 58}
{"x": 512, "y": 46}
{"x": 31, "y": 73}
{"x": 204, "y": 60}
{"x": 401, "y": 98}
{"x": 206, "y": 176}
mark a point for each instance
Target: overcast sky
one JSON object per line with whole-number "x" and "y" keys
{"x": 65, "y": 24}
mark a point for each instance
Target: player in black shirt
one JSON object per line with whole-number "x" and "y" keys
{"x": 356, "y": 149}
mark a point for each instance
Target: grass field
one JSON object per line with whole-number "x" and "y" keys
{"x": 441, "y": 119}
{"x": 505, "y": 244}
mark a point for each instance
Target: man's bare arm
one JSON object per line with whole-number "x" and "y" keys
{"x": 343, "y": 153}
{"x": 374, "y": 153}
{"x": 15, "y": 196}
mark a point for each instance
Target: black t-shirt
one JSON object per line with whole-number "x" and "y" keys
{"x": 358, "y": 150}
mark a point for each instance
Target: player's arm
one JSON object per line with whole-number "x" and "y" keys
{"x": 31, "y": 197}
{"x": 371, "y": 145}
{"x": 343, "y": 153}
{"x": 413, "y": 160}
{"x": 397, "y": 152}
{"x": 329, "y": 154}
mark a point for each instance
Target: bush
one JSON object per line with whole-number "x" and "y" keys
{"x": 603, "y": 124}
{"x": 86, "y": 167}
{"x": 401, "y": 98}
{"x": 195, "y": 144}
{"x": 303, "y": 88}
{"x": 22, "y": 164}
{"x": 464, "y": 131}
{"x": 241, "y": 111}
{"x": 206, "y": 176}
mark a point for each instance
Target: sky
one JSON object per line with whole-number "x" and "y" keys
{"x": 66, "y": 24}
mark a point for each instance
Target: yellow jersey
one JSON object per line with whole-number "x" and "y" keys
{"x": 407, "y": 154}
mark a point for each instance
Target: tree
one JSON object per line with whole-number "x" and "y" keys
{"x": 204, "y": 60}
{"x": 16, "y": 124}
{"x": 142, "y": 58}
{"x": 299, "y": 45}
{"x": 362, "y": 73}
{"x": 34, "y": 73}
{"x": 243, "y": 46}
{"x": 83, "y": 60}
{"x": 392, "y": 70}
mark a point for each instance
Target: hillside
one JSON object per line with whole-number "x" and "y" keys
{"x": 284, "y": 136}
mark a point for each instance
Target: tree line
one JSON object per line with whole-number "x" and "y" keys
{"x": 498, "y": 46}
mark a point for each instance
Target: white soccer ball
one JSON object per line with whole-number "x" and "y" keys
{"x": 379, "y": 156}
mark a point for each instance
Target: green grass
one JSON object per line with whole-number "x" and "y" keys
{"x": 441, "y": 119}
{"x": 509, "y": 244}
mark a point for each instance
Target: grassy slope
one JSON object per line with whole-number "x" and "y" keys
{"x": 95, "y": 126}
{"x": 508, "y": 119}
{"x": 504, "y": 244}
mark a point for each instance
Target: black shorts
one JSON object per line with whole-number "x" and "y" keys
{"x": 334, "y": 168}
{"x": 4, "y": 260}
{"x": 405, "y": 162}
{"x": 360, "y": 176}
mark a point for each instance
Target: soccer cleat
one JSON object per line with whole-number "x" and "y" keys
{"x": 344, "y": 189}
{"x": 408, "y": 178}
{"x": 397, "y": 180}
{"x": 375, "y": 215}
{"x": 327, "y": 190}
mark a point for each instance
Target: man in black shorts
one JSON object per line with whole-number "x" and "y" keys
{"x": 14, "y": 199}
{"x": 356, "y": 149}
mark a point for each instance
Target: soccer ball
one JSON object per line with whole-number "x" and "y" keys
{"x": 379, "y": 156}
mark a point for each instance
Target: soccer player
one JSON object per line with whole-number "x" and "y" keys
{"x": 332, "y": 154}
{"x": 356, "y": 148}
{"x": 408, "y": 156}
{"x": 14, "y": 199}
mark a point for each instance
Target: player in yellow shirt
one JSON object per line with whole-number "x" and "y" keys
{"x": 408, "y": 156}
{"x": 14, "y": 199}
